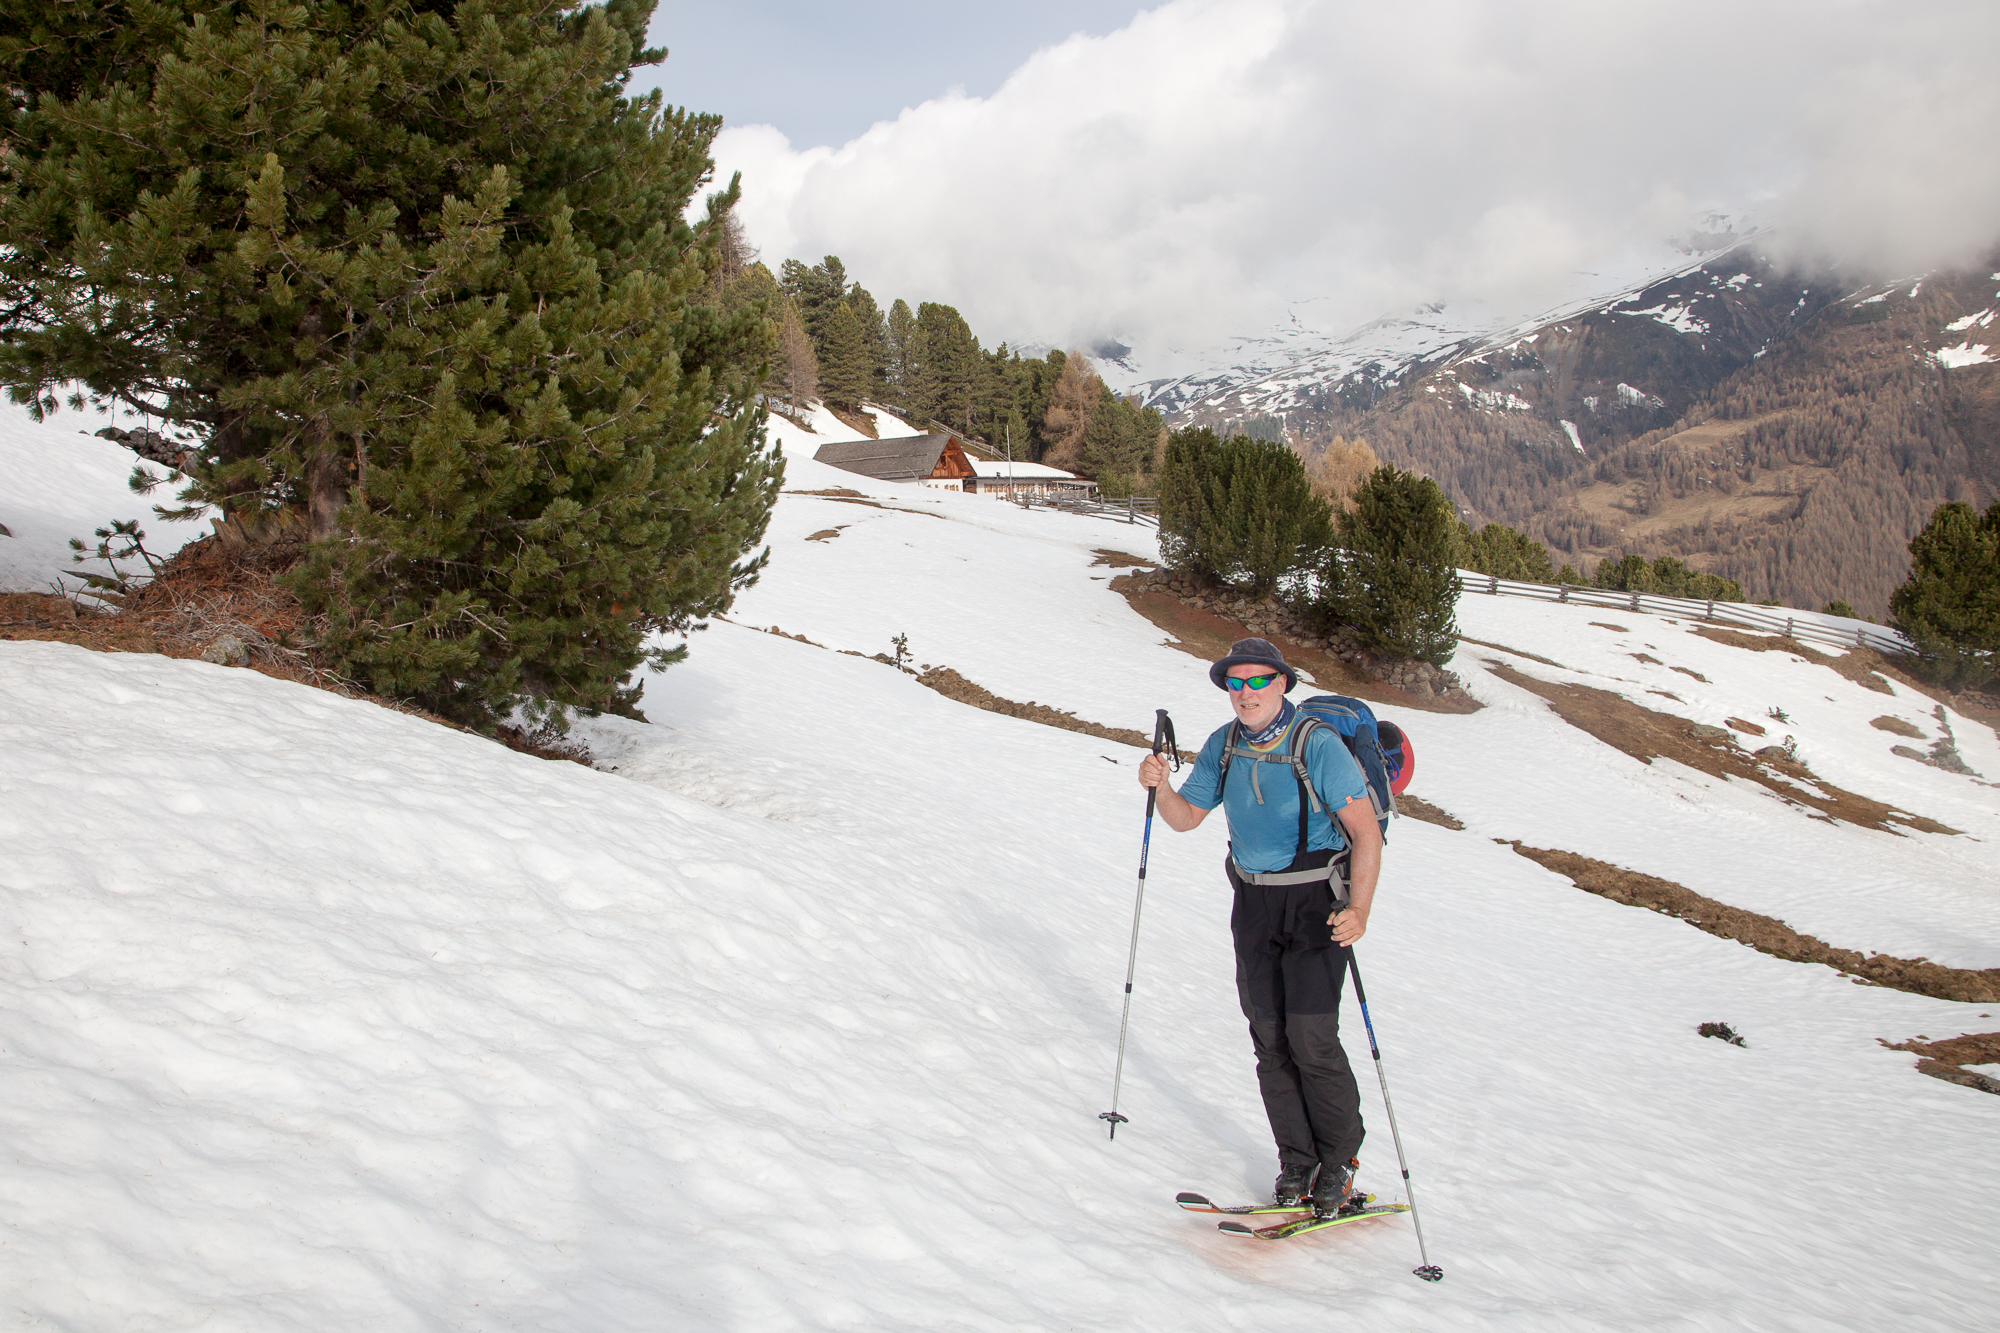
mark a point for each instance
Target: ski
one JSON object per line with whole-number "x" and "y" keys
{"x": 1299, "y": 1227}
{"x": 1200, "y": 1203}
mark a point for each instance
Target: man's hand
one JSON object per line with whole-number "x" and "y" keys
{"x": 1364, "y": 865}
{"x": 1174, "y": 808}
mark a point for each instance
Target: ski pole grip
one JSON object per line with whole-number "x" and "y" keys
{"x": 1163, "y": 736}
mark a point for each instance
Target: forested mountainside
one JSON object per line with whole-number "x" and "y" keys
{"x": 1789, "y": 431}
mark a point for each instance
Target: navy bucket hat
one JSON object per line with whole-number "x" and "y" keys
{"x": 1246, "y": 652}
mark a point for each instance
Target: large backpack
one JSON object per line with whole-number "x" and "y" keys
{"x": 1380, "y": 749}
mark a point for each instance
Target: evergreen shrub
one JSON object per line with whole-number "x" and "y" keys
{"x": 1238, "y": 510}
{"x": 1392, "y": 572}
{"x": 1501, "y": 551}
{"x": 1950, "y": 604}
{"x": 1665, "y": 577}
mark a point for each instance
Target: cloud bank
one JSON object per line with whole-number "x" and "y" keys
{"x": 1190, "y": 175}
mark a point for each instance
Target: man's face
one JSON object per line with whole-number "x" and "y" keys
{"x": 1257, "y": 709}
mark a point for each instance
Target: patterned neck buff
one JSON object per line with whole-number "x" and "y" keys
{"x": 1277, "y": 728}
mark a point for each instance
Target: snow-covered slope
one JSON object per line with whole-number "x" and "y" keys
{"x": 322, "y": 1016}
{"x": 59, "y": 482}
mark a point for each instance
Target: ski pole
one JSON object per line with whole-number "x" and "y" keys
{"x": 1430, "y": 1272}
{"x": 1163, "y": 733}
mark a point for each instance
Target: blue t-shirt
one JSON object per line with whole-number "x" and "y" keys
{"x": 1264, "y": 838}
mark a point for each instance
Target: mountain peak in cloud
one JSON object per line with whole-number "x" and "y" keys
{"x": 1185, "y": 177}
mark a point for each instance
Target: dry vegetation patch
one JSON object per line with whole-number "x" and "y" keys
{"x": 952, "y": 685}
{"x": 1518, "y": 652}
{"x": 862, "y": 421}
{"x": 1416, "y": 807}
{"x": 1946, "y": 1059}
{"x": 1896, "y": 726}
{"x": 1860, "y": 665}
{"x": 1646, "y": 735}
{"x": 1763, "y": 933}
{"x": 217, "y": 600}
{"x": 1121, "y": 560}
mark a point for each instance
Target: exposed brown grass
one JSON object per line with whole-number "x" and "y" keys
{"x": 1416, "y": 807}
{"x": 224, "y": 587}
{"x": 1945, "y": 1059}
{"x": 1896, "y": 726}
{"x": 1518, "y": 652}
{"x": 864, "y": 422}
{"x": 954, "y": 686}
{"x": 1863, "y": 666}
{"x": 217, "y": 588}
{"x": 1646, "y": 735}
{"x": 1763, "y": 933}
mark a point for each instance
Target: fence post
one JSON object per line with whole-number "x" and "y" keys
{"x": 1788, "y": 627}
{"x": 1635, "y": 601}
{"x": 1131, "y": 510}
{"x": 1565, "y": 593}
{"x": 1493, "y": 580}
{"x": 1859, "y": 642}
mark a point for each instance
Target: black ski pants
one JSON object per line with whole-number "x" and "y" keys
{"x": 1289, "y": 975}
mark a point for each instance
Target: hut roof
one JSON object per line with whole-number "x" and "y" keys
{"x": 904, "y": 458}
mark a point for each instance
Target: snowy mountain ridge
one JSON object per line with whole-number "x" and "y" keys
{"x": 1278, "y": 371}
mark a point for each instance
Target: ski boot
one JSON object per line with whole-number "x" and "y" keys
{"x": 1294, "y": 1185}
{"x": 1332, "y": 1187}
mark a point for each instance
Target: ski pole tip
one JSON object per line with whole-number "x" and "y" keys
{"x": 1429, "y": 1273}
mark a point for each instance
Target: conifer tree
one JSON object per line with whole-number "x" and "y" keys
{"x": 1950, "y": 604}
{"x": 874, "y": 339}
{"x": 816, "y": 290}
{"x": 798, "y": 364}
{"x": 948, "y": 373}
{"x": 1499, "y": 550}
{"x": 902, "y": 351}
{"x": 1343, "y": 465}
{"x": 421, "y": 275}
{"x": 1072, "y": 398}
{"x": 843, "y": 372}
{"x": 1238, "y": 510}
{"x": 1392, "y": 575}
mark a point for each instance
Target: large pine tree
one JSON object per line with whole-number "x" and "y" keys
{"x": 416, "y": 270}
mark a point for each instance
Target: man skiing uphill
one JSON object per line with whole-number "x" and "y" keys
{"x": 1291, "y": 921}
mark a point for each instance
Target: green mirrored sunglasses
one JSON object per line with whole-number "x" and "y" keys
{"x": 1239, "y": 683}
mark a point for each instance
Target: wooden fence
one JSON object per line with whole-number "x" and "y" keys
{"x": 1132, "y": 509}
{"x": 1805, "y": 626}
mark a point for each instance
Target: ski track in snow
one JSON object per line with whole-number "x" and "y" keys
{"x": 322, "y": 1016}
